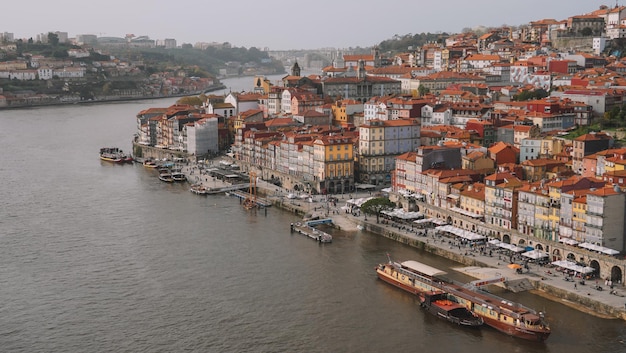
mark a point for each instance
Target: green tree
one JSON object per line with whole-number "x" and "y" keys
{"x": 53, "y": 39}
{"x": 422, "y": 90}
{"x": 376, "y": 206}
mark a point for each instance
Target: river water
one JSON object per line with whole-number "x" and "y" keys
{"x": 96, "y": 257}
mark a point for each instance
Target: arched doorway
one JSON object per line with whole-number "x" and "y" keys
{"x": 506, "y": 239}
{"x": 556, "y": 255}
{"x": 616, "y": 275}
{"x": 571, "y": 257}
{"x": 449, "y": 220}
{"x": 539, "y": 247}
{"x": 596, "y": 266}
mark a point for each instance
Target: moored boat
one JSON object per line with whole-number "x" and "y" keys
{"x": 179, "y": 176}
{"x": 510, "y": 318}
{"x": 150, "y": 163}
{"x": 198, "y": 189}
{"x": 114, "y": 154}
{"x": 446, "y": 307}
{"x": 166, "y": 177}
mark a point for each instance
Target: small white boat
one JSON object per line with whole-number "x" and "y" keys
{"x": 179, "y": 176}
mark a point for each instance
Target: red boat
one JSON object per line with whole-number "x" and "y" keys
{"x": 499, "y": 313}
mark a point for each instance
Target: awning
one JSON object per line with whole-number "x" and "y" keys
{"x": 424, "y": 220}
{"x": 465, "y": 213}
{"x": 513, "y": 248}
{"x": 453, "y": 196}
{"x": 466, "y": 234}
{"x": 598, "y": 248}
{"x": 402, "y": 214}
{"x": 568, "y": 241}
{"x": 573, "y": 266}
{"x": 535, "y": 254}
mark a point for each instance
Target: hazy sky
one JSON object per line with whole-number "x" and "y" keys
{"x": 277, "y": 24}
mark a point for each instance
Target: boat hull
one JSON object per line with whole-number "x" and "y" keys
{"x": 111, "y": 159}
{"x": 423, "y": 286}
{"x": 397, "y": 283}
{"x": 515, "y": 331}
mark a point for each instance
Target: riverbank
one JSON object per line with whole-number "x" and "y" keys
{"x": 539, "y": 280}
{"x": 104, "y": 100}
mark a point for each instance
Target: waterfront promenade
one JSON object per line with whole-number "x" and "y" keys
{"x": 545, "y": 281}
{"x": 541, "y": 280}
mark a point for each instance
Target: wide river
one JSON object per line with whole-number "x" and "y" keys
{"x": 96, "y": 257}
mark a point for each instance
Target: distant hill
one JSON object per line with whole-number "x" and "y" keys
{"x": 403, "y": 43}
{"x": 209, "y": 60}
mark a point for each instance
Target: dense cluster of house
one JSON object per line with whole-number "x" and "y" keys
{"x": 80, "y": 67}
{"x": 438, "y": 125}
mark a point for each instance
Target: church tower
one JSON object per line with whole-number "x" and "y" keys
{"x": 295, "y": 69}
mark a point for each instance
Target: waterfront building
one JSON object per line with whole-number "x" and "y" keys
{"x": 316, "y": 160}
{"x": 145, "y": 129}
{"x": 202, "y": 137}
{"x": 606, "y": 218}
{"x": 472, "y": 199}
{"x": 167, "y": 127}
{"x": 333, "y": 164}
{"x": 501, "y": 194}
{"x": 380, "y": 142}
{"x": 437, "y": 184}
{"x": 527, "y": 205}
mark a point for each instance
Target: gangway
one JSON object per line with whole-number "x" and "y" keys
{"x": 483, "y": 282}
{"x": 315, "y": 222}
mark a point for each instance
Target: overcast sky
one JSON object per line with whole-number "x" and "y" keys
{"x": 277, "y": 24}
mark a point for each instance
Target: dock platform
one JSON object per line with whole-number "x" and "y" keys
{"x": 233, "y": 188}
{"x": 311, "y": 232}
{"x": 242, "y": 195}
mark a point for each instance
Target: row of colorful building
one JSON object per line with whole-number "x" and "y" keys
{"x": 449, "y": 136}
